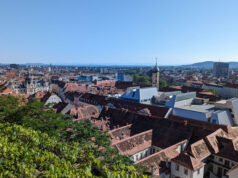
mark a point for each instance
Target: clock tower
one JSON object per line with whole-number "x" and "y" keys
{"x": 155, "y": 76}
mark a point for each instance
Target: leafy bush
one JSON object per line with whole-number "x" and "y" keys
{"x": 37, "y": 142}
{"x": 140, "y": 78}
{"x": 28, "y": 153}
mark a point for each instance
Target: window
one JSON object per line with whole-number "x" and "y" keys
{"x": 198, "y": 171}
{"x": 212, "y": 157}
{"x": 232, "y": 164}
{"x": 227, "y": 163}
{"x": 176, "y": 167}
{"x": 152, "y": 169}
{"x": 219, "y": 171}
{"x": 224, "y": 173}
{"x": 211, "y": 168}
{"x": 220, "y": 160}
{"x": 185, "y": 171}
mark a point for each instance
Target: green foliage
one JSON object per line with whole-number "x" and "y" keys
{"x": 162, "y": 83}
{"x": 28, "y": 153}
{"x": 214, "y": 91}
{"x": 9, "y": 109}
{"x": 37, "y": 142}
{"x": 140, "y": 78}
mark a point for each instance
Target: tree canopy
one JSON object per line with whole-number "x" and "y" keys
{"x": 214, "y": 91}
{"x": 141, "y": 78}
{"x": 37, "y": 142}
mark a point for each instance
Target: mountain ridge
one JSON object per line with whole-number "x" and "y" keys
{"x": 209, "y": 65}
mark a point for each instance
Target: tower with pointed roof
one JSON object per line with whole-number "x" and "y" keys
{"x": 155, "y": 76}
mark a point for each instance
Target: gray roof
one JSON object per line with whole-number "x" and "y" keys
{"x": 205, "y": 108}
{"x": 184, "y": 96}
{"x": 222, "y": 117}
{"x": 139, "y": 94}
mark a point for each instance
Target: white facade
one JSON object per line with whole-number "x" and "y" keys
{"x": 182, "y": 172}
{"x": 232, "y": 106}
{"x": 221, "y": 165}
{"x": 224, "y": 91}
{"x": 228, "y": 92}
{"x": 141, "y": 154}
{"x": 53, "y": 99}
{"x": 222, "y": 117}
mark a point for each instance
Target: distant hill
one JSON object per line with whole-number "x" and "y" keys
{"x": 35, "y": 64}
{"x": 209, "y": 65}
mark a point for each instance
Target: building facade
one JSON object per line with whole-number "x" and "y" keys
{"x": 220, "y": 69}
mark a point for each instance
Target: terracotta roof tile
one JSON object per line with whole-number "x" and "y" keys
{"x": 188, "y": 161}
{"x": 134, "y": 144}
{"x": 199, "y": 150}
{"x": 156, "y": 160}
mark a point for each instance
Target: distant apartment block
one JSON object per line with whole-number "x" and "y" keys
{"x": 14, "y": 66}
{"x": 220, "y": 69}
{"x": 121, "y": 76}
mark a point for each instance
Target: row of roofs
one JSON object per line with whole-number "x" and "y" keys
{"x": 153, "y": 138}
{"x": 158, "y": 143}
{"x": 163, "y": 142}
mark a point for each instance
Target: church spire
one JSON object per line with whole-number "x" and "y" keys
{"x": 156, "y": 68}
{"x": 155, "y": 75}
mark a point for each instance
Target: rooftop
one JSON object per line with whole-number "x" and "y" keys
{"x": 204, "y": 108}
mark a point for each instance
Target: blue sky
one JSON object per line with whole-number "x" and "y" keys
{"x": 118, "y": 31}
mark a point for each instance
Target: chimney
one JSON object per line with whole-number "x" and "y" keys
{"x": 185, "y": 122}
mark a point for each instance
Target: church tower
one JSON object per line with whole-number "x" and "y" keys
{"x": 155, "y": 76}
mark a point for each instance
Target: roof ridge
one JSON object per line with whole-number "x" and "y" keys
{"x": 161, "y": 151}
{"x": 134, "y": 136}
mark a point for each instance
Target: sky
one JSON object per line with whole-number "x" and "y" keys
{"x": 119, "y": 32}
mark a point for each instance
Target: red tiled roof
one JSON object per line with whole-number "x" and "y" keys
{"x": 134, "y": 144}
{"x": 199, "y": 150}
{"x": 212, "y": 140}
{"x": 188, "y": 161}
{"x": 156, "y": 160}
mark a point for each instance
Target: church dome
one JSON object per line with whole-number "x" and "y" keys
{"x": 156, "y": 68}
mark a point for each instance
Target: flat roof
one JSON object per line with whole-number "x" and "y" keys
{"x": 222, "y": 101}
{"x": 205, "y": 108}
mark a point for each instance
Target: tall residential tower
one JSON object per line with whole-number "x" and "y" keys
{"x": 220, "y": 69}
